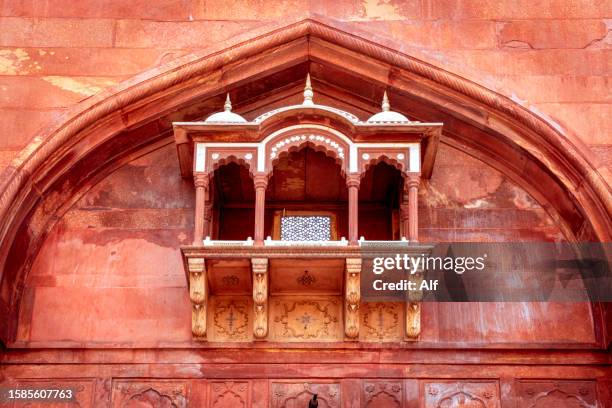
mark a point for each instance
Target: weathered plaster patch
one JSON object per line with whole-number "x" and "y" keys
{"x": 606, "y": 41}
{"x": 81, "y": 86}
{"x": 522, "y": 200}
{"x": 433, "y": 198}
{"x": 479, "y": 203}
{"x": 12, "y": 61}
{"x": 380, "y": 9}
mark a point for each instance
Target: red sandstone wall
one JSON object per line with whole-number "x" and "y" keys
{"x": 115, "y": 255}
{"x": 552, "y": 55}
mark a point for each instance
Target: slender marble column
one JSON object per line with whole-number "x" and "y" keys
{"x": 352, "y": 182}
{"x": 201, "y": 181}
{"x": 261, "y": 183}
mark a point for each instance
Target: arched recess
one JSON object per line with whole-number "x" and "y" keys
{"x": 98, "y": 134}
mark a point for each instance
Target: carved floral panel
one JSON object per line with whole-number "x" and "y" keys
{"x": 230, "y": 319}
{"x": 461, "y": 395}
{"x": 229, "y": 394}
{"x": 307, "y": 319}
{"x": 557, "y": 394}
{"x": 381, "y": 321}
{"x": 297, "y": 395}
{"x": 382, "y": 394}
{"x": 150, "y": 394}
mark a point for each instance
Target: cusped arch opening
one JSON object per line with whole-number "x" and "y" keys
{"x": 233, "y": 213}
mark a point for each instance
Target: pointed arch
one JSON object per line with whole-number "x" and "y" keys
{"x": 89, "y": 139}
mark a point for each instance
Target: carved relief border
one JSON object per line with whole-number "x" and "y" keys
{"x": 297, "y": 394}
{"x": 318, "y": 139}
{"x": 396, "y": 157}
{"x": 219, "y": 156}
{"x": 230, "y": 319}
{"x": 556, "y": 393}
{"x": 383, "y": 393}
{"x": 303, "y": 319}
{"x": 382, "y": 322}
{"x": 472, "y": 394}
{"x": 154, "y": 393}
{"x": 235, "y": 394}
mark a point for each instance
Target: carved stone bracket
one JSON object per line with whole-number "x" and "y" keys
{"x": 352, "y": 297}
{"x": 260, "y": 297}
{"x": 198, "y": 294}
{"x": 413, "y": 308}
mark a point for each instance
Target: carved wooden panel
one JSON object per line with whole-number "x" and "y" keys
{"x": 383, "y": 394}
{"x": 297, "y": 395}
{"x": 83, "y": 391}
{"x": 461, "y": 395}
{"x": 381, "y": 321}
{"x": 307, "y": 319}
{"x": 322, "y": 276}
{"x": 150, "y": 394}
{"x": 230, "y": 319}
{"x": 229, "y": 394}
{"x": 229, "y": 276}
{"x": 556, "y": 394}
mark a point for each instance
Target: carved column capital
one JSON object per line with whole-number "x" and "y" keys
{"x": 260, "y": 180}
{"x": 412, "y": 180}
{"x": 353, "y": 180}
{"x": 201, "y": 179}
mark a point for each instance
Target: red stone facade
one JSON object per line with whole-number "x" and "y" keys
{"x": 95, "y": 205}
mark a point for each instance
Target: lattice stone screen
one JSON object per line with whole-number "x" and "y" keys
{"x": 305, "y": 228}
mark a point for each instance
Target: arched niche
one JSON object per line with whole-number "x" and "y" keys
{"x": 307, "y": 180}
{"x": 234, "y": 197}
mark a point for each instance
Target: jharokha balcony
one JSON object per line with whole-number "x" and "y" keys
{"x": 284, "y": 205}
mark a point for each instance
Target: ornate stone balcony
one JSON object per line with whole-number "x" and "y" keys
{"x": 271, "y": 288}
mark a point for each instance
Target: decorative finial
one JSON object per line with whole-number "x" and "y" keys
{"x": 386, "y": 107}
{"x": 228, "y": 104}
{"x": 308, "y": 94}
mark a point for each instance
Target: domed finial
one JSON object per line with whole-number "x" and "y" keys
{"x": 308, "y": 94}
{"x": 228, "y": 104}
{"x": 386, "y": 107}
